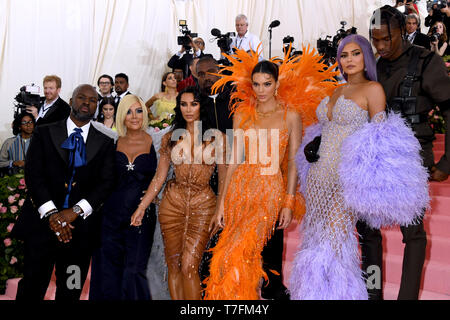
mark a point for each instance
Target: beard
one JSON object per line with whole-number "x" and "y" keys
{"x": 81, "y": 116}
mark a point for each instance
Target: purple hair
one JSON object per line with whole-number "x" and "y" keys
{"x": 369, "y": 57}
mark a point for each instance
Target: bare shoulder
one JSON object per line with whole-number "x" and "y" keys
{"x": 293, "y": 116}
{"x": 374, "y": 88}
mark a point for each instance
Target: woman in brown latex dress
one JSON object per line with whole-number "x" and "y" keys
{"x": 189, "y": 203}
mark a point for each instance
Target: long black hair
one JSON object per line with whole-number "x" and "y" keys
{"x": 179, "y": 122}
{"x": 105, "y": 101}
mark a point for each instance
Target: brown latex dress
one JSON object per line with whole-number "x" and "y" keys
{"x": 185, "y": 212}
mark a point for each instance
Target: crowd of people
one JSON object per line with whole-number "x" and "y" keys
{"x": 102, "y": 201}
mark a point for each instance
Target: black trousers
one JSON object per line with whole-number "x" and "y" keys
{"x": 415, "y": 240}
{"x": 71, "y": 262}
{"x": 272, "y": 256}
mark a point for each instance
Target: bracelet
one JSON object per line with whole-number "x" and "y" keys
{"x": 48, "y": 214}
{"x": 289, "y": 201}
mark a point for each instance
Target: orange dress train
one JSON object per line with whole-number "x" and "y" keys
{"x": 251, "y": 207}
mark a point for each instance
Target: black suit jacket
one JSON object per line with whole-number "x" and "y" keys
{"x": 60, "y": 110}
{"x": 422, "y": 40}
{"x": 47, "y": 174}
{"x": 221, "y": 108}
{"x": 182, "y": 63}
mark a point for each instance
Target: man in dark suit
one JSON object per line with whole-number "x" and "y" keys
{"x": 182, "y": 59}
{"x": 413, "y": 33}
{"x": 52, "y": 108}
{"x": 69, "y": 173}
{"x": 121, "y": 87}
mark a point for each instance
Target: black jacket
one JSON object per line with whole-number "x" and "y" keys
{"x": 60, "y": 110}
{"x": 47, "y": 173}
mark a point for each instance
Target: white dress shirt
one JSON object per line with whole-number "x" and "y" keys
{"x": 84, "y": 205}
{"x": 246, "y": 42}
{"x": 45, "y": 108}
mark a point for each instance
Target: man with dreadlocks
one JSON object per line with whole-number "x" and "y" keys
{"x": 414, "y": 80}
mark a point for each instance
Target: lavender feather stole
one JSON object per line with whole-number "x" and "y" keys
{"x": 382, "y": 174}
{"x": 302, "y": 164}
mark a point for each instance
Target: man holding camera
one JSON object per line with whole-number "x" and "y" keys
{"x": 53, "y": 108}
{"x": 440, "y": 11}
{"x": 414, "y": 80}
{"x": 183, "y": 58}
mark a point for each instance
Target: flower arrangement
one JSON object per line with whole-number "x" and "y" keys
{"x": 447, "y": 63}
{"x": 436, "y": 120}
{"x": 163, "y": 121}
{"x": 12, "y": 196}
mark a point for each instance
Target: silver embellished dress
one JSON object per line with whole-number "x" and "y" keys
{"x": 327, "y": 265}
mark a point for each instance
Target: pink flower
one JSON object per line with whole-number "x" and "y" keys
{"x": 3, "y": 209}
{"x": 21, "y": 201}
{"x": 10, "y": 227}
{"x": 16, "y": 195}
{"x": 165, "y": 125}
{"x": 13, "y": 260}
{"x": 22, "y": 181}
{"x": 7, "y": 242}
{"x": 13, "y": 209}
{"x": 21, "y": 187}
{"x": 11, "y": 199}
{"x": 10, "y": 189}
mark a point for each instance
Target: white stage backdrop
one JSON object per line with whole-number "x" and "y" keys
{"x": 79, "y": 40}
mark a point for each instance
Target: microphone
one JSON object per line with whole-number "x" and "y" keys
{"x": 215, "y": 32}
{"x": 274, "y": 24}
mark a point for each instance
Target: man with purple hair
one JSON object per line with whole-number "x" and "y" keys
{"x": 414, "y": 80}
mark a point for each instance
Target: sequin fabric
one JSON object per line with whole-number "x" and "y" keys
{"x": 185, "y": 212}
{"x": 327, "y": 265}
{"x": 251, "y": 208}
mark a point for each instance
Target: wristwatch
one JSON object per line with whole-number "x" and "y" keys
{"x": 77, "y": 209}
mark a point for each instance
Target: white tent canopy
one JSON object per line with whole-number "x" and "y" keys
{"x": 81, "y": 39}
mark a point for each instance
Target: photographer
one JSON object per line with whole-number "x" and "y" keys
{"x": 439, "y": 12}
{"x": 410, "y": 7}
{"x": 53, "y": 108}
{"x": 14, "y": 149}
{"x": 438, "y": 38}
{"x": 244, "y": 39}
{"x": 182, "y": 59}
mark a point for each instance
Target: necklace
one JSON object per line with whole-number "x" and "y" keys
{"x": 266, "y": 114}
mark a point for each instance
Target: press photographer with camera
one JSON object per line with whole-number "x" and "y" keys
{"x": 409, "y": 7}
{"x": 191, "y": 46}
{"x": 53, "y": 108}
{"x": 438, "y": 38}
{"x": 439, "y": 11}
{"x": 14, "y": 149}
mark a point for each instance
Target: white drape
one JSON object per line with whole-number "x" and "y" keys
{"x": 79, "y": 40}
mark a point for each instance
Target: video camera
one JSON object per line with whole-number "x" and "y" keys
{"x": 434, "y": 35}
{"x": 184, "y": 40}
{"x": 223, "y": 40}
{"x": 328, "y": 48}
{"x": 27, "y": 96}
{"x": 287, "y": 41}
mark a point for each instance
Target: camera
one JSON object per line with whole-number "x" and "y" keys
{"x": 184, "y": 40}
{"x": 223, "y": 40}
{"x": 441, "y": 4}
{"x": 328, "y": 48}
{"x": 27, "y": 96}
{"x": 434, "y": 35}
{"x": 287, "y": 41}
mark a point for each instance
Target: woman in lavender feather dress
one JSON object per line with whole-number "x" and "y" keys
{"x": 368, "y": 168}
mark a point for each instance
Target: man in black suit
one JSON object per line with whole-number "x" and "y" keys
{"x": 52, "y": 108}
{"x": 182, "y": 59}
{"x": 413, "y": 33}
{"x": 121, "y": 87}
{"x": 69, "y": 173}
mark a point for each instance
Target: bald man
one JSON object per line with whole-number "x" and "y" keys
{"x": 69, "y": 173}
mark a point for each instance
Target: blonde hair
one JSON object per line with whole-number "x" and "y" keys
{"x": 124, "y": 105}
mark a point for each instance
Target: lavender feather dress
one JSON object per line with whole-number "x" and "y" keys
{"x": 327, "y": 266}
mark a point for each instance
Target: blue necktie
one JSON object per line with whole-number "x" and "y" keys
{"x": 77, "y": 157}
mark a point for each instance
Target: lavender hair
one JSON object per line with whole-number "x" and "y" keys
{"x": 369, "y": 57}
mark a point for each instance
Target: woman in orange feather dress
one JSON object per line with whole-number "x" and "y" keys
{"x": 267, "y": 127}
